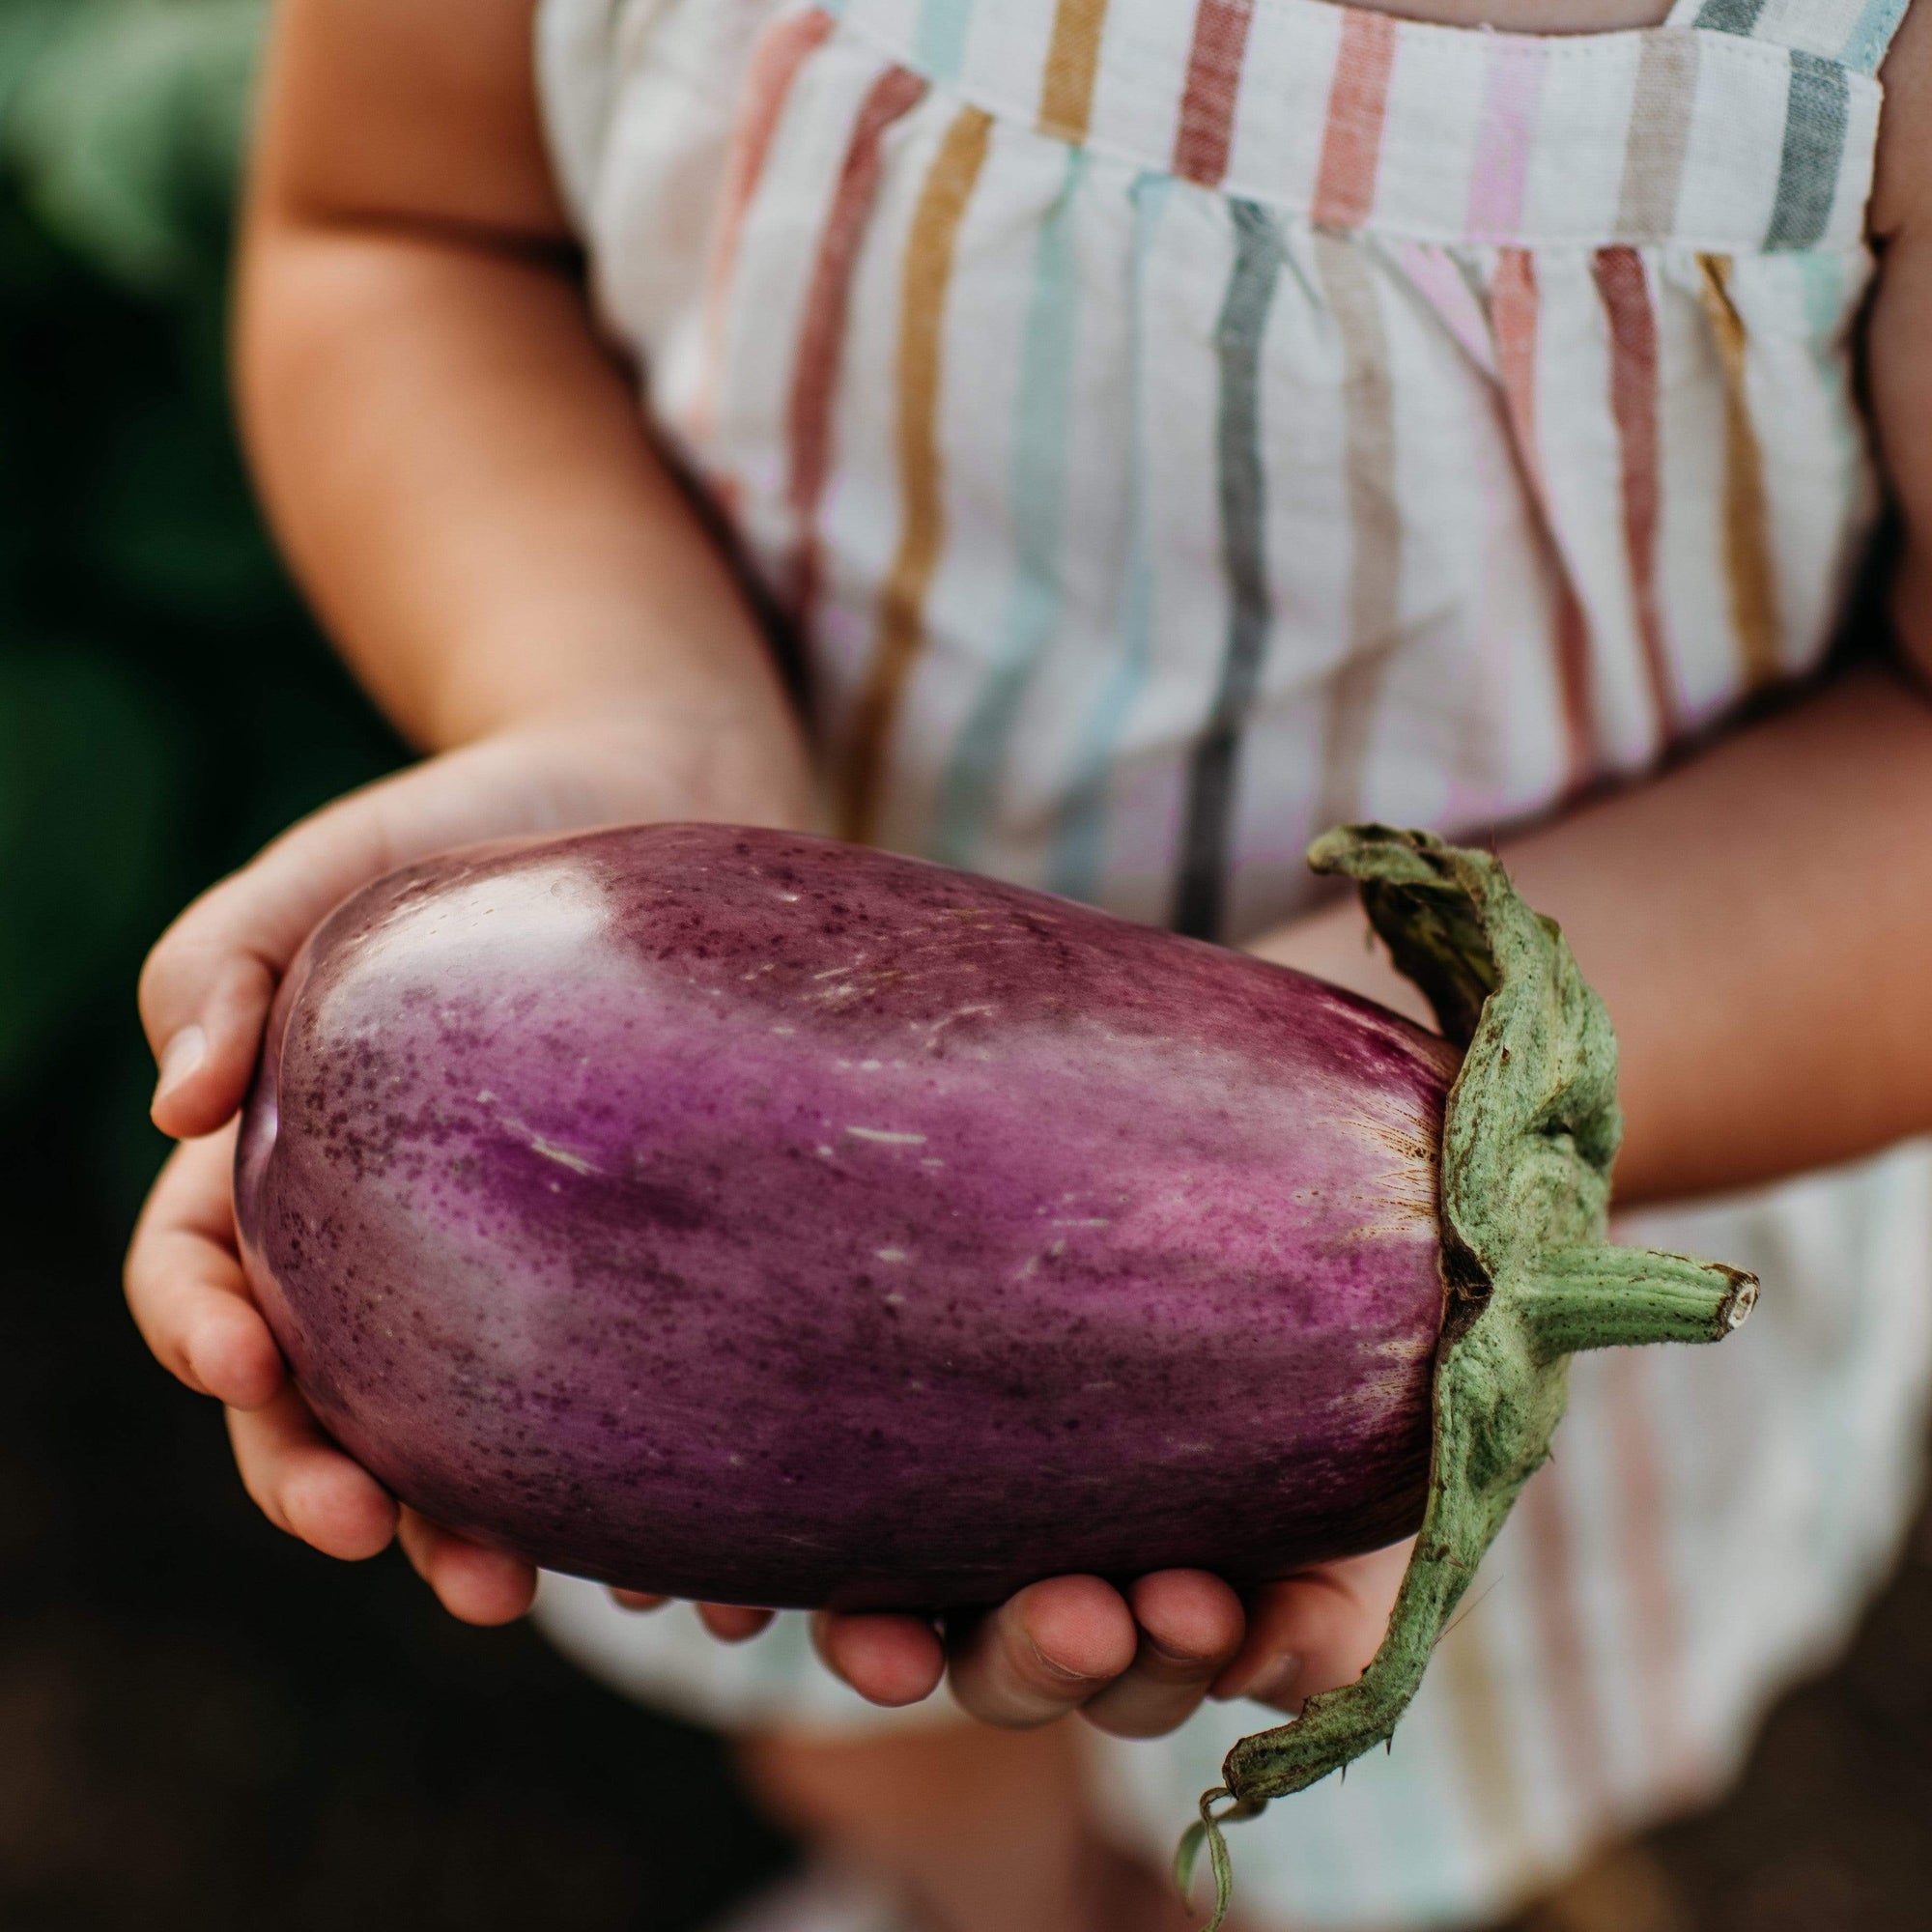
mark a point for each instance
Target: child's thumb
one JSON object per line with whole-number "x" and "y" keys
{"x": 204, "y": 997}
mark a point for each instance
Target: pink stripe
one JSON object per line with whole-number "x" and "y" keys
{"x": 1351, "y": 146}
{"x": 1514, "y": 303}
{"x": 1625, "y": 288}
{"x": 821, "y": 339}
{"x": 1213, "y": 87}
{"x": 781, "y": 50}
{"x": 1507, "y": 136}
{"x": 1440, "y": 283}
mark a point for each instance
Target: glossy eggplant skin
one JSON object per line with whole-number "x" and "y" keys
{"x": 747, "y": 1217}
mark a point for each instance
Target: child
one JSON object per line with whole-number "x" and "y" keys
{"x": 1166, "y": 427}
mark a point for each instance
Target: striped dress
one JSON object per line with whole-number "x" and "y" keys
{"x": 1174, "y": 426}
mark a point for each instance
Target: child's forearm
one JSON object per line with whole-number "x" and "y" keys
{"x": 460, "y": 481}
{"x": 1759, "y": 922}
{"x": 453, "y": 465}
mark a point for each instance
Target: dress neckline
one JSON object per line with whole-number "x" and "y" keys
{"x": 1681, "y": 18}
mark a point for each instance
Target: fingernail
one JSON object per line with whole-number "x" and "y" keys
{"x": 1053, "y": 1669}
{"x": 1167, "y": 1654}
{"x": 180, "y": 1058}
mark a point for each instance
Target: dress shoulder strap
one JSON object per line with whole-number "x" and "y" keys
{"x": 1854, "y": 33}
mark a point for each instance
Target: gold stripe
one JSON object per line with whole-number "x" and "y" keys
{"x": 1746, "y": 548}
{"x": 1066, "y": 95}
{"x": 927, "y": 269}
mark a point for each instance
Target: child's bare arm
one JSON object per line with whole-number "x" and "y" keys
{"x": 1759, "y": 922}
{"x": 456, "y": 468}
{"x": 458, "y": 473}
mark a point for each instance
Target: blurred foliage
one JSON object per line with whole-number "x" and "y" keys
{"x": 164, "y": 705}
{"x": 124, "y": 120}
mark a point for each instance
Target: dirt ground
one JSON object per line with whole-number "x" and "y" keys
{"x": 205, "y": 1728}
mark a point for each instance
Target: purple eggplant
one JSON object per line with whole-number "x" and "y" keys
{"x": 747, "y": 1217}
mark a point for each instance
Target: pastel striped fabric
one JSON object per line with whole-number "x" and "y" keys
{"x": 1171, "y": 432}
{"x": 1174, "y": 426}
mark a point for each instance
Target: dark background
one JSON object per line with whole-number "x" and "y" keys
{"x": 203, "y": 1725}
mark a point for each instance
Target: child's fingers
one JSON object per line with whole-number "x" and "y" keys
{"x": 475, "y": 1585}
{"x": 732, "y": 1623}
{"x": 184, "y": 1284}
{"x": 303, "y": 1483}
{"x": 206, "y": 990}
{"x": 207, "y": 987}
{"x": 1315, "y": 1632}
{"x": 205, "y": 1060}
{"x": 1044, "y": 1652}
{"x": 638, "y": 1600}
{"x": 887, "y": 1660}
{"x": 1191, "y": 1624}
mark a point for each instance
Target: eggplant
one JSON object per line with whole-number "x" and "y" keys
{"x": 760, "y": 1220}
{"x": 739, "y": 1215}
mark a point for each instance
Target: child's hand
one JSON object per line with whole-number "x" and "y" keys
{"x": 204, "y": 996}
{"x": 1134, "y": 1664}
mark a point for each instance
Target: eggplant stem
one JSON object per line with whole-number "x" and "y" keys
{"x": 1208, "y": 1832}
{"x": 1530, "y": 1275}
{"x": 1612, "y": 1298}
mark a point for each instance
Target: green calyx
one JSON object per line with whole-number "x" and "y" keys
{"x": 1529, "y": 1136}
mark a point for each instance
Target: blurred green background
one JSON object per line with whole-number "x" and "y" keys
{"x": 163, "y": 705}
{"x": 201, "y": 1724}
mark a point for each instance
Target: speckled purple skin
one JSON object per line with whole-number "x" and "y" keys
{"x": 751, "y": 1218}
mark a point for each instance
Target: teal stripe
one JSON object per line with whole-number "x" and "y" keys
{"x": 1815, "y": 114}
{"x": 1821, "y": 283}
{"x": 1826, "y": 294}
{"x": 1041, "y": 430}
{"x": 1079, "y": 849}
{"x": 939, "y": 42}
{"x": 1208, "y": 825}
{"x": 1872, "y": 36}
{"x": 1729, "y": 16}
